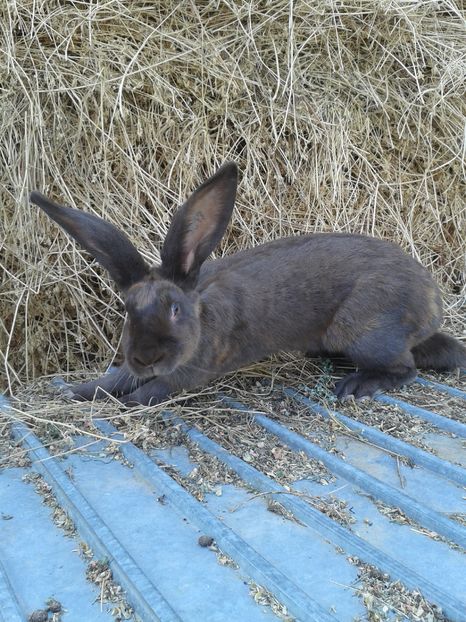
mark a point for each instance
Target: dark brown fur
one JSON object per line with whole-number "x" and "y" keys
{"x": 190, "y": 322}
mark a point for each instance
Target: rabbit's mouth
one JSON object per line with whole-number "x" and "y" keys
{"x": 160, "y": 368}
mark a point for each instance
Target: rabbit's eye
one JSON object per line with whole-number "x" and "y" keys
{"x": 174, "y": 309}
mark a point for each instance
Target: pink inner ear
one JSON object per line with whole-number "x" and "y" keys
{"x": 203, "y": 220}
{"x": 200, "y": 229}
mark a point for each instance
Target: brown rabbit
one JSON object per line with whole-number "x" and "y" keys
{"x": 189, "y": 321}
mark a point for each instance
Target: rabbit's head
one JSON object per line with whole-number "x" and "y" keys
{"x": 162, "y": 328}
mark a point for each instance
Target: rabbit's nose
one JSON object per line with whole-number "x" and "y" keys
{"x": 146, "y": 360}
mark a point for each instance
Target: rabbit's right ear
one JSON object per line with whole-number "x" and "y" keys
{"x": 103, "y": 241}
{"x": 198, "y": 226}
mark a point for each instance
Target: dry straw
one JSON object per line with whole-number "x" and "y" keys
{"x": 341, "y": 115}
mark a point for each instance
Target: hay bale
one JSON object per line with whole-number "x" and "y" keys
{"x": 340, "y": 116}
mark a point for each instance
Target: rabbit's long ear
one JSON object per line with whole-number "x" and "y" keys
{"x": 198, "y": 226}
{"x": 103, "y": 241}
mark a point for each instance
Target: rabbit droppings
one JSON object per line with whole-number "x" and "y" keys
{"x": 190, "y": 320}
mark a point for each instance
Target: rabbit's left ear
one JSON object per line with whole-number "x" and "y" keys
{"x": 110, "y": 246}
{"x": 198, "y": 226}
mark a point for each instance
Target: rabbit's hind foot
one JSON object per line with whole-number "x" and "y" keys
{"x": 367, "y": 382}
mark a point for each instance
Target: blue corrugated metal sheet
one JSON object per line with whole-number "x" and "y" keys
{"x": 153, "y": 549}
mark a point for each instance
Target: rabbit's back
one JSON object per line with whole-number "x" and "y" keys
{"x": 290, "y": 290}
{"x": 326, "y": 265}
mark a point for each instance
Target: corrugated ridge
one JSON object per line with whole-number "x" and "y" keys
{"x": 443, "y": 423}
{"x": 298, "y": 602}
{"x": 143, "y": 595}
{"x": 417, "y": 511}
{"x": 443, "y": 388}
{"x": 9, "y": 606}
{"x": 418, "y": 456}
{"x": 325, "y": 526}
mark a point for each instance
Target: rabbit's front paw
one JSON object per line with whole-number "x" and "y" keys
{"x": 116, "y": 382}
{"x": 85, "y": 391}
{"x": 149, "y": 394}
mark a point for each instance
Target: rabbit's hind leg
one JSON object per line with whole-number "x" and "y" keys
{"x": 380, "y": 350}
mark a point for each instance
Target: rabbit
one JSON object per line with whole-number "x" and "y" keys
{"x": 190, "y": 320}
